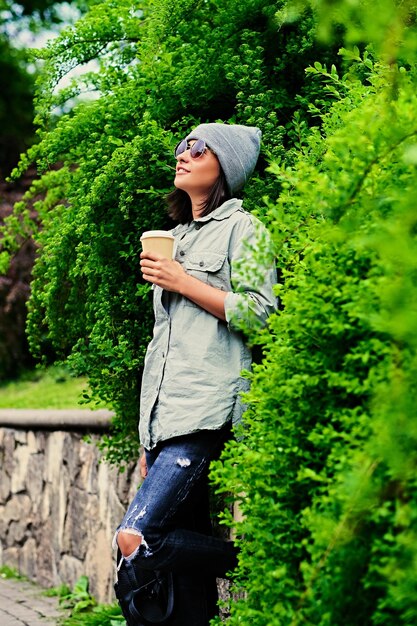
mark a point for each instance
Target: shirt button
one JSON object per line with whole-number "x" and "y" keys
{"x": 182, "y": 253}
{"x": 197, "y": 226}
{"x": 201, "y": 264}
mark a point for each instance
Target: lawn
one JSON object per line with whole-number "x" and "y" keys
{"x": 50, "y": 388}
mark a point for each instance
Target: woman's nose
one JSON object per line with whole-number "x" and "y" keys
{"x": 184, "y": 156}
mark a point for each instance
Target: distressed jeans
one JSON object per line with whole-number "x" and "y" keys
{"x": 170, "y": 512}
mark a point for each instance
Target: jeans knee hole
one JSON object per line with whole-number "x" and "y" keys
{"x": 183, "y": 462}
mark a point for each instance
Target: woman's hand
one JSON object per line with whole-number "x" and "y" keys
{"x": 171, "y": 276}
{"x": 161, "y": 271}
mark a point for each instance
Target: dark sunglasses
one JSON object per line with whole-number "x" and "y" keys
{"x": 196, "y": 150}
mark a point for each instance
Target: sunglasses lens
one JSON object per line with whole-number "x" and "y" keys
{"x": 198, "y": 149}
{"x": 181, "y": 147}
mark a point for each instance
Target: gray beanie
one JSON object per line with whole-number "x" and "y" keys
{"x": 236, "y": 147}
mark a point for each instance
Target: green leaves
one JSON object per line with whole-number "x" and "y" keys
{"x": 326, "y": 471}
{"x": 78, "y": 599}
{"x": 327, "y": 459}
{"x": 157, "y": 71}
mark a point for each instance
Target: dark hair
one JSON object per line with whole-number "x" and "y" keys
{"x": 179, "y": 203}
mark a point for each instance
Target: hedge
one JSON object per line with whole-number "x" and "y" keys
{"x": 325, "y": 473}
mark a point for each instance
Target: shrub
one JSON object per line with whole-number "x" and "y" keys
{"x": 324, "y": 473}
{"x": 160, "y": 70}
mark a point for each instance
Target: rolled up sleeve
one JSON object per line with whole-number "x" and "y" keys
{"x": 253, "y": 276}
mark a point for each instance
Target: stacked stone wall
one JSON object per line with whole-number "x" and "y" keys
{"x": 59, "y": 507}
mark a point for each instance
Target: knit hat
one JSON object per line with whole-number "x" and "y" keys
{"x": 236, "y": 147}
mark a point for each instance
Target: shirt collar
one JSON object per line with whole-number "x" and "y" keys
{"x": 223, "y": 211}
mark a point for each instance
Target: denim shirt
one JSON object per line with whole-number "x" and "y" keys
{"x": 192, "y": 373}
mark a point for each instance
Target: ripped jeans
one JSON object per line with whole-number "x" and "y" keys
{"x": 170, "y": 512}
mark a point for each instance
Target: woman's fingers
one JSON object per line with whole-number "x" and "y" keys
{"x": 151, "y": 268}
{"x": 164, "y": 272}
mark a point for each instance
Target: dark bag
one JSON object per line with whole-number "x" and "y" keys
{"x": 146, "y": 597}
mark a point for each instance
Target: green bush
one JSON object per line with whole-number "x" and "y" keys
{"x": 326, "y": 472}
{"x": 161, "y": 69}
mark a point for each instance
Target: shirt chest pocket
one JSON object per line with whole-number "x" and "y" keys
{"x": 210, "y": 267}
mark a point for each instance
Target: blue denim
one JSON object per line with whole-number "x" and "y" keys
{"x": 171, "y": 514}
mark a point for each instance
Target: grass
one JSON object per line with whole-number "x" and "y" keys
{"x": 11, "y": 573}
{"x": 101, "y": 615}
{"x": 84, "y": 610}
{"x": 46, "y": 388}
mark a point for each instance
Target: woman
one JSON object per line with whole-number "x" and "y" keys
{"x": 191, "y": 381}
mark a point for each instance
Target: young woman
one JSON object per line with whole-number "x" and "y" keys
{"x": 190, "y": 390}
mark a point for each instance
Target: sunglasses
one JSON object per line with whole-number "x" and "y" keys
{"x": 196, "y": 150}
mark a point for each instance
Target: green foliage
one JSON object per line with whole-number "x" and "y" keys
{"x": 326, "y": 472}
{"x": 161, "y": 69}
{"x": 10, "y": 572}
{"x": 16, "y": 105}
{"x": 101, "y": 615}
{"x": 79, "y": 599}
{"x": 17, "y": 130}
{"x": 360, "y": 22}
{"x": 44, "y": 10}
{"x": 83, "y": 608}
{"x": 19, "y": 22}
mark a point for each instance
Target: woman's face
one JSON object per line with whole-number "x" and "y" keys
{"x": 196, "y": 176}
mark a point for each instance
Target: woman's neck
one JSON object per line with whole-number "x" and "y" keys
{"x": 197, "y": 205}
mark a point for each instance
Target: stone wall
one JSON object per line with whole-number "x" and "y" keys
{"x": 58, "y": 505}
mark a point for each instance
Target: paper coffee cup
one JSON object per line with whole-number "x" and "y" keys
{"x": 159, "y": 241}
